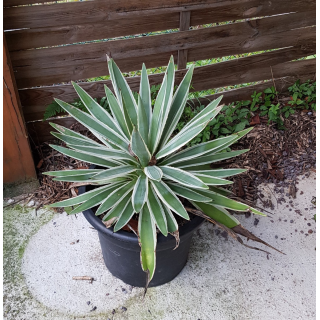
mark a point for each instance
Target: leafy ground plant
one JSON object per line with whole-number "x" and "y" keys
{"x": 142, "y": 169}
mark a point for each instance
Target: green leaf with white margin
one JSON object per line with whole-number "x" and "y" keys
{"x": 76, "y": 178}
{"x": 197, "y": 150}
{"x": 79, "y": 199}
{"x": 222, "y": 191}
{"x": 114, "y": 197}
{"x": 218, "y": 214}
{"x": 143, "y": 121}
{"x": 156, "y": 119}
{"x": 118, "y": 208}
{"x": 171, "y": 220}
{"x": 86, "y": 157}
{"x": 104, "y": 152}
{"x": 95, "y": 125}
{"x": 220, "y": 173}
{"x": 145, "y": 94}
{"x": 148, "y": 242}
{"x": 179, "y": 140}
{"x": 96, "y": 199}
{"x": 183, "y": 177}
{"x": 117, "y": 111}
{"x": 72, "y": 140}
{"x": 123, "y": 91}
{"x": 190, "y": 164}
{"x": 139, "y": 148}
{"x": 169, "y": 198}
{"x": 169, "y": 92}
{"x": 140, "y": 192}
{"x": 153, "y": 173}
{"x": 178, "y": 103}
{"x": 66, "y": 173}
{"x": 157, "y": 212}
{"x": 205, "y": 115}
{"x": 227, "y": 203}
{"x": 194, "y": 129}
{"x": 212, "y": 180}
{"x": 187, "y": 193}
{"x": 125, "y": 216}
{"x": 96, "y": 110}
{"x": 114, "y": 172}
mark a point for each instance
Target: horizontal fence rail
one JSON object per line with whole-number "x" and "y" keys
{"x": 51, "y": 44}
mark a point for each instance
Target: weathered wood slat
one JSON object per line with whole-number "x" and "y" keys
{"x": 133, "y": 24}
{"x": 184, "y": 25}
{"x": 244, "y": 70}
{"x": 40, "y": 130}
{"x": 98, "y": 11}
{"x": 84, "y": 61}
{"x": 44, "y": 37}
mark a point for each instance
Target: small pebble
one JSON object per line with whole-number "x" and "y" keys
{"x": 309, "y": 224}
{"x": 276, "y": 237}
{"x": 30, "y": 204}
{"x": 124, "y": 309}
{"x": 93, "y": 309}
{"x": 291, "y": 221}
{"x": 113, "y": 311}
{"x": 88, "y": 302}
{"x": 310, "y": 231}
{"x": 10, "y": 201}
{"x": 256, "y": 221}
{"x": 306, "y": 209}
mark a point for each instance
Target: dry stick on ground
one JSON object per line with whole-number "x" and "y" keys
{"x": 83, "y": 278}
{"x": 239, "y": 229}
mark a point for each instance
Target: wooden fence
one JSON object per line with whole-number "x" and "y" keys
{"x": 49, "y": 47}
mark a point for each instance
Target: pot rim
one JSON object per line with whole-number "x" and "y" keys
{"x": 124, "y": 236}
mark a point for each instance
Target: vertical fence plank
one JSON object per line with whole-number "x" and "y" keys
{"x": 184, "y": 25}
{"x": 18, "y": 165}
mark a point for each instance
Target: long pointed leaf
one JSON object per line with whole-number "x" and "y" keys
{"x": 94, "y": 200}
{"x": 156, "y": 119}
{"x": 197, "y": 150}
{"x": 214, "y": 181}
{"x": 183, "y": 177}
{"x": 171, "y": 220}
{"x": 157, "y": 212}
{"x": 65, "y": 173}
{"x": 218, "y": 214}
{"x": 118, "y": 208}
{"x": 143, "y": 121}
{"x": 145, "y": 94}
{"x": 114, "y": 197}
{"x": 114, "y": 172}
{"x": 139, "y": 148}
{"x": 190, "y": 164}
{"x": 95, "y": 125}
{"x": 169, "y": 198}
{"x": 188, "y": 193}
{"x": 178, "y": 103}
{"x": 123, "y": 91}
{"x": 148, "y": 242}
{"x": 125, "y": 216}
{"x": 79, "y": 199}
{"x": 117, "y": 112}
{"x": 219, "y": 173}
{"x": 140, "y": 193}
{"x": 96, "y": 110}
{"x": 85, "y": 157}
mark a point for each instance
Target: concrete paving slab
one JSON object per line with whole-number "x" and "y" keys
{"x": 222, "y": 279}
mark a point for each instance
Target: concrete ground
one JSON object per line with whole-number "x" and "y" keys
{"x": 222, "y": 280}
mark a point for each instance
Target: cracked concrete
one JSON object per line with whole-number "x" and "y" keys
{"x": 222, "y": 279}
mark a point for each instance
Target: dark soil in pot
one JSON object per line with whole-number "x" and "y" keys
{"x": 121, "y": 251}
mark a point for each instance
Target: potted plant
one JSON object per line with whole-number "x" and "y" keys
{"x": 142, "y": 173}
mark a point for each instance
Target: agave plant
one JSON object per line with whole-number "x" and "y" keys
{"x": 142, "y": 165}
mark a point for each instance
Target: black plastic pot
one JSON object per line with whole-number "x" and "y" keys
{"x": 121, "y": 251}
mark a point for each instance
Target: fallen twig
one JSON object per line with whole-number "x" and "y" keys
{"x": 91, "y": 279}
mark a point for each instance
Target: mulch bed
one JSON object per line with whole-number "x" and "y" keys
{"x": 276, "y": 156}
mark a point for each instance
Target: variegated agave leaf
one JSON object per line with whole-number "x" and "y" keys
{"x": 140, "y": 168}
